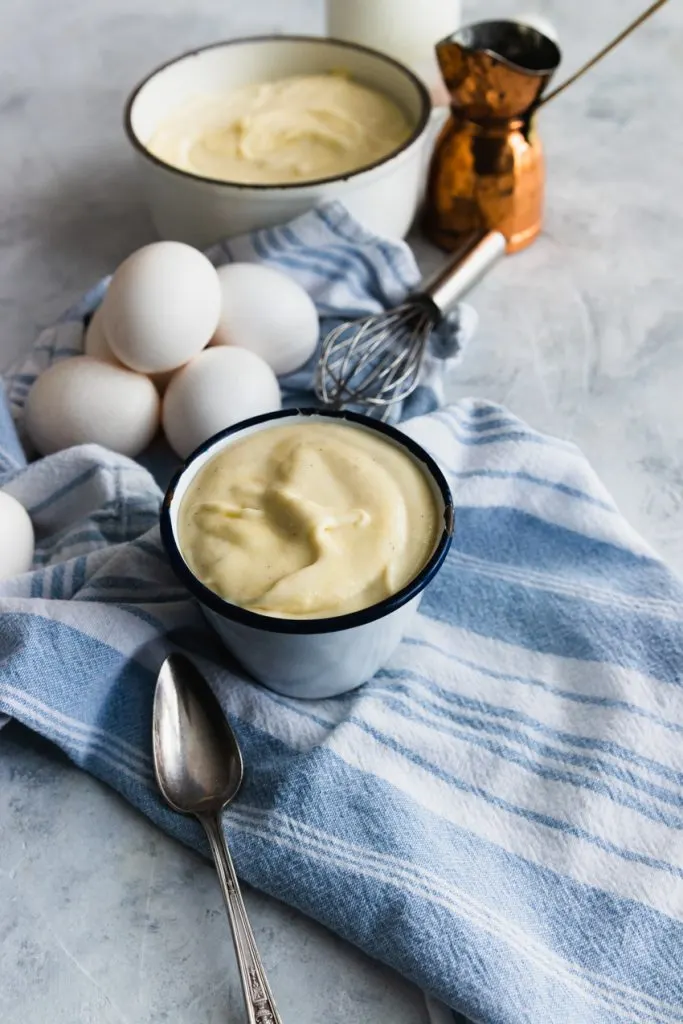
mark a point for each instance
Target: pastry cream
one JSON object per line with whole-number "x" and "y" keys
{"x": 310, "y": 520}
{"x": 275, "y": 133}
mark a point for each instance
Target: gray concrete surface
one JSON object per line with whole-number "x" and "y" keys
{"x": 102, "y": 918}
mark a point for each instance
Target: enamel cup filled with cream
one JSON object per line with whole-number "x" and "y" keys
{"x": 308, "y": 538}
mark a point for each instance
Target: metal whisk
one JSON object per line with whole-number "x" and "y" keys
{"x": 375, "y": 361}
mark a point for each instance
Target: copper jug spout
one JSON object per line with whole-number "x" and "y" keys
{"x": 496, "y": 69}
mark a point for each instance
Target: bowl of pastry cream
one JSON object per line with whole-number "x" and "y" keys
{"x": 251, "y": 132}
{"x": 308, "y": 538}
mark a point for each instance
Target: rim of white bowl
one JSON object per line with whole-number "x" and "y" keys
{"x": 136, "y": 142}
{"x": 331, "y": 623}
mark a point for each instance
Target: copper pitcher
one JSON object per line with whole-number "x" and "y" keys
{"x": 487, "y": 171}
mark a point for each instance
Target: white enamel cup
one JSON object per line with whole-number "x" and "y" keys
{"x": 309, "y": 658}
{"x": 187, "y": 207}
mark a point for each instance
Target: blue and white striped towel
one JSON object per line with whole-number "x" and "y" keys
{"x": 498, "y": 814}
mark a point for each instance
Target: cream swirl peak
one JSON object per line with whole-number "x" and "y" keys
{"x": 291, "y": 130}
{"x": 308, "y": 521}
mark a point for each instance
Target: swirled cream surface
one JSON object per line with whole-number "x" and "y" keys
{"x": 309, "y": 520}
{"x": 282, "y": 132}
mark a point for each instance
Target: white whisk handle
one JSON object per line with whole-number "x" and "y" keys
{"x": 469, "y": 264}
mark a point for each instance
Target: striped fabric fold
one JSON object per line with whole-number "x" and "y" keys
{"x": 498, "y": 813}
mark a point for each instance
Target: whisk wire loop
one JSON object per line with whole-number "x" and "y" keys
{"x": 375, "y": 361}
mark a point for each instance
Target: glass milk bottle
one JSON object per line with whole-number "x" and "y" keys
{"x": 404, "y": 29}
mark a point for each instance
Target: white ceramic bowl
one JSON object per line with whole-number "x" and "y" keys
{"x": 190, "y": 208}
{"x": 310, "y": 658}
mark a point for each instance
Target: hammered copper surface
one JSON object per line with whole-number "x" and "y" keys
{"x": 487, "y": 171}
{"x": 485, "y": 178}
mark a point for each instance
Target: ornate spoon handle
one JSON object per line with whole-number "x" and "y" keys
{"x": 258, "y": 998}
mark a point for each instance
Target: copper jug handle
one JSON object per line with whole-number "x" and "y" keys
{"x": 602, "y": 53}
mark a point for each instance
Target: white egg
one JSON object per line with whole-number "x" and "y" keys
{"x": 96, "y": 344}
{"x": 82, "y": 400}
{"x": 268, "y": 313}
{"x": 17, "y": 543}
{"x": 217, "y": 388}
{"x": 161, "y": 307}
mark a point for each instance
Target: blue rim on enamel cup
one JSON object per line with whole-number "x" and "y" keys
{"x": 309, "y": 658}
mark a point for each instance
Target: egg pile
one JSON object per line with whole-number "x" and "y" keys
{"x": 177, "y": 343}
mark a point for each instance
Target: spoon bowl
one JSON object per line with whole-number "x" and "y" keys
{"x": 197, "y": 759}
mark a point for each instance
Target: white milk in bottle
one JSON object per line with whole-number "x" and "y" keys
{"x": 405, "y": 29}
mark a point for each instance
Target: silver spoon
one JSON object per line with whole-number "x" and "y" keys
{"x": 198, "y": 766}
